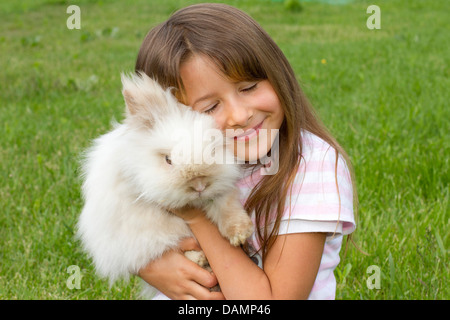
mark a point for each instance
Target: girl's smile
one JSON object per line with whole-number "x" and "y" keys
{"x": 249, "y": 134}
{"x": 250, "y": 108}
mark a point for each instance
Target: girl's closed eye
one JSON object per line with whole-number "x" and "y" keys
{"x": 211, "y": 109}
{"x": 250, "y": 87}
{"x": 247, "y": 88}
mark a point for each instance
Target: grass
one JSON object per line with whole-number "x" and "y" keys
{"x": 383, "y": 93}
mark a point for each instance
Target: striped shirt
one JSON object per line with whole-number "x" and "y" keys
{"x": 315, "y": 206}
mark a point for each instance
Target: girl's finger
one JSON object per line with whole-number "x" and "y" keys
{"x": 202, "y": 276}
{"x": 199, "y": 292}
{"x": 188, "y": 244}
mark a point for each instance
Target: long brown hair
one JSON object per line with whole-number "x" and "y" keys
{"x": 243, "y": 51}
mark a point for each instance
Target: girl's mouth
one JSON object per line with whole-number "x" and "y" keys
{"x": 250, "y": 133}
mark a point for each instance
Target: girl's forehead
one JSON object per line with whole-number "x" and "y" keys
{"x": 201, "y": 77}
{"x": 199, "y": 67}
{"x": 203, "y": 66}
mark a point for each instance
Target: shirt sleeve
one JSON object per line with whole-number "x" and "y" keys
{"x": 322, "y": 196}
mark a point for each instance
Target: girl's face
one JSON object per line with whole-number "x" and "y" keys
{"x": 251, "y": 106}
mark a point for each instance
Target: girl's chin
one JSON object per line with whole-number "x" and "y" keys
{"x": 253, "y": 150}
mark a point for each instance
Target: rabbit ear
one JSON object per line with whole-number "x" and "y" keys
{"x": 144, "y": 97}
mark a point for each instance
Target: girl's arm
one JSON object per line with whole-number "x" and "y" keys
{"x": 290, "y": 268}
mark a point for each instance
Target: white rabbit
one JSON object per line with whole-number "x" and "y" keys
{"x": 132, "y": 179}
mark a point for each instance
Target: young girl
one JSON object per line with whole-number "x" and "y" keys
{"x": 221, "y": 62}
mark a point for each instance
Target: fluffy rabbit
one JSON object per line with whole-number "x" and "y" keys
{"x": 135, "y": 174}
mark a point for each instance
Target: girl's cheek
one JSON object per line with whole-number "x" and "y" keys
{"x": 220, "y": 121}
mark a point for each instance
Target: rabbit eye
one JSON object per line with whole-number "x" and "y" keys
{"x": 168, "y": 160}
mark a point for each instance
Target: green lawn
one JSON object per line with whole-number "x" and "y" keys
{"x": 383, "y": 93}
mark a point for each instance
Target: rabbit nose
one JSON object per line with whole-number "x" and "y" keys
{"x": 198, "y": 184}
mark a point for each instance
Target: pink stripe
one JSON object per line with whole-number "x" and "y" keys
{"x": 320, "y": 284}
{"x": 320, "y": 209}
{"x": 329, "y": 265}
{"x": 249, "y": 182}
{"x": 331, "y": 247}
{"x": 321, "y": 188}
{"x": 324, "y": 168}
{"x": 347, "y": 227}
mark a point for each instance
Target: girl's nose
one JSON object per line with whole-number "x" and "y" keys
{"x": 237, "y": 114}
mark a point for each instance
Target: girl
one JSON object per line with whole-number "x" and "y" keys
{"x": 223, "y": 63}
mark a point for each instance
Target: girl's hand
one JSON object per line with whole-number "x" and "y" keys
{"x": 179, "y": 278}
